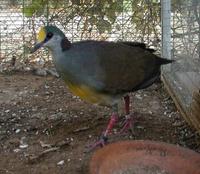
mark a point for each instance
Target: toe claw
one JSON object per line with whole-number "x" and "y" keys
{"x": 127, "y": 124}
{"x": 100, "y": 143}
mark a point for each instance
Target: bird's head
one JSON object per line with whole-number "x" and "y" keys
{"x": 51, "y": 37}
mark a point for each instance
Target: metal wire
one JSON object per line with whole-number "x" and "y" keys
{"x": 18, "y": 32}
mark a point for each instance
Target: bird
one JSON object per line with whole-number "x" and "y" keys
{"x": 102, "y": 72}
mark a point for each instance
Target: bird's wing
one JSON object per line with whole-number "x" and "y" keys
{"x": 108, "y": 67}
{"x": 138, "y": 44}
{"x": 125, "y": 67}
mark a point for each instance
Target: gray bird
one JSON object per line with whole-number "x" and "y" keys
{"x": 102, "y": 72}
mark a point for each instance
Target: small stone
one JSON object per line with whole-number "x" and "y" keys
{"x": 40, "y": 72}
{"x": 16, "y": 150}
{"x": 17, "y": 131}
{"x": 45, "y": 145}
{"x": 60, "y": 163}
{"x": 27, "y": 69}
{"x": 140, "y": 127}
{"x": 46, "y": 87}
{"x": 7, "y": 111}
{"x": 13, "y": 114}
{"x": 74, "y": 97}
{"x": 23, "y": 146}
{"x": 150, "y": 112}
{"x": 138, "y": 96}
{"x": 53, "y": 72}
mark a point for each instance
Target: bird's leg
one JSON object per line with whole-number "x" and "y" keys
{"x": 128, "y": 123}
{"x": 104, "y": 137}
{"x": 127, "y": 104}
{"x": 112, "y": 122}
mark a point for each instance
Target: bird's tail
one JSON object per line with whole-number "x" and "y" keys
{"x": 163, "y": 61}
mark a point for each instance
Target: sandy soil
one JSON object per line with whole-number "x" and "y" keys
{"x": 44, "y": 129}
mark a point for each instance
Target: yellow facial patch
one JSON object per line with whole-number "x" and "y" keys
{"x": 41, "y": 35}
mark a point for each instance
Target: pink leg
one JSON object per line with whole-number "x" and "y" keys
{"x": 127, "y": 104}
{"x": 112, "y": 122}
{"x": 128, "y": 123}
{"x": 104, "y": 137}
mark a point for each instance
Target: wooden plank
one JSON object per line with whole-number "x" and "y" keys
{"x": 176, "y": 99}
{"x": 189, "y": 82}
{"x": 195, "y": 110}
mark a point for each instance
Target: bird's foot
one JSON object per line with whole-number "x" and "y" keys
{"x": 100, "y": 143}
{"x": 104, "y": 137}
{"x": 127, "y": 124}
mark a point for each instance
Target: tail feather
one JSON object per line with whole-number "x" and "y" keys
{"x": 163, "y": 61}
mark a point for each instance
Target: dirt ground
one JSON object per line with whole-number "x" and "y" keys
{"x": 44, "y": 129}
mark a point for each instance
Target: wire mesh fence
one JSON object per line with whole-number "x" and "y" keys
{"x": 183, "y": 79}
{"x": 185, "y": 28}
{"x": 131, "y": 20}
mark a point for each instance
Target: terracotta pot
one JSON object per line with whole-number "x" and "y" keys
{"x": 144, "y": 157}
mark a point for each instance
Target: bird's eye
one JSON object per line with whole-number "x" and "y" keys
{"x": 49, "y": 35}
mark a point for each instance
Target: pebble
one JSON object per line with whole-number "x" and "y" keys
{"x": 27, "y": 69}
{"x": 16, "y": 150}
{"x": 53, "y": 72}
{"x": 23, "y": 146}
{"x": 150, "y": 112}
{"x": 46, "y": 87}
{"x": 74, "y": 97}
{"x": 138, "y": 96}
{"x": 60, "y": 163}
{"x": 140, "y": 127}
{"x": 40, "y": 72}
{"x": 17, "y": 131}
{"x": 14, "y": 114}
{"x": 7, "y": 111}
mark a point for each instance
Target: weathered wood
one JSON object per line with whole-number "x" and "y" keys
{"x": 176, "y": 100}
{"x": 195, "y": 110}
{"x": 183, "y": 84}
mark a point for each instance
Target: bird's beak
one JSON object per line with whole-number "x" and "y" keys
{"x": 36, "y": 47}
{"x": 41, "y": 40}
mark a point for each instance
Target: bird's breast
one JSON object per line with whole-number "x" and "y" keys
{"x": 90, "y": 95}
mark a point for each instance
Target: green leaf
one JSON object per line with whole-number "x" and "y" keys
{"x": 28, "y": 11}
{"x": 104, "y": 25}
{"x": 76, "y": 2}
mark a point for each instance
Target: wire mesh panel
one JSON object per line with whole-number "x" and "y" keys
{"x": 184, "y": 76}
{"x": 11, "y": 29}
{"x": 131, "y": 20}
{"x": 185, "y": 29}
